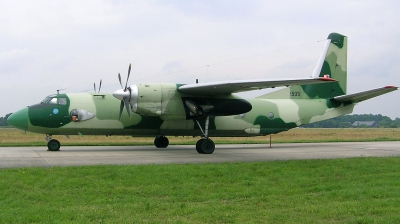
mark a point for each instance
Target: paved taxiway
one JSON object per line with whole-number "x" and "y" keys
{"x": 97, "y": 155}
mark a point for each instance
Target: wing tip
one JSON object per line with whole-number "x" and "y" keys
{"x": 391, "y": 87}
{"x": 328, "y": 79}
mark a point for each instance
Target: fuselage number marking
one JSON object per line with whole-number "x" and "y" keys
{"x": 294, "y": 93}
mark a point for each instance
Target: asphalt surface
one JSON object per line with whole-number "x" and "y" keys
{"x": 100, "y": 155}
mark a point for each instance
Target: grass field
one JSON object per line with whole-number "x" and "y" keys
{"x": 14, "y": 137}
{"x": 358, "y": 190}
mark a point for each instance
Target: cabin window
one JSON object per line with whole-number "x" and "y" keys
{"x": 271, "y": 115}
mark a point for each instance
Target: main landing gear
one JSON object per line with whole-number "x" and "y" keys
{"x": 161, "y": 142}
{"x": 52, "y": 144}
{"x": 205, "y": 145}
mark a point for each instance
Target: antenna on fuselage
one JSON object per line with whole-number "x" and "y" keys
{"x": 58, "y": 91}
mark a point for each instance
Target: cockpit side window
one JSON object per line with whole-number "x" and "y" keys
{"x": 49, "y": 99}
{"x": 62, "y": 101}
{"x": 53, "y": 101}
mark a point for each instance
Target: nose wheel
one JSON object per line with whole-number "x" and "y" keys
{"x": 53, "y": 144}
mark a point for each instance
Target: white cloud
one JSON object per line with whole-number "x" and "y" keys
{"x": 26, "y": 20}
{"x": 48, "y": 45}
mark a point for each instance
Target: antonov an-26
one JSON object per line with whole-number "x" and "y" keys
{"x": 201, "y": 109}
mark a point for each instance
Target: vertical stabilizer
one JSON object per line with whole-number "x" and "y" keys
{"x": 332, "y": 63}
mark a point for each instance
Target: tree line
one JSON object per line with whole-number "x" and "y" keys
{"x": 3, "y": 121}
{"x": 347, "y": 121}
{"x": 337, "y": 122}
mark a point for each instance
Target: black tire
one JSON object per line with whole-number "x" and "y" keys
{"x": 157, "y": 142}
{"x": 164, "y": 142}
{"x": 199, "y": 149}
{"x": 161, "y": 142}
{"x": 53, "y": 145}
{"x": 205, "y": 146}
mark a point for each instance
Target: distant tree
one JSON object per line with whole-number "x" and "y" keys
{"x": 3, "y": 120}
{"x": 385, "y": 122}
{"x": 344, "y": 125}
{"x": 396, "y": 122}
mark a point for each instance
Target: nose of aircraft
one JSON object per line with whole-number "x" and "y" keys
{"x": 19, "y": 119}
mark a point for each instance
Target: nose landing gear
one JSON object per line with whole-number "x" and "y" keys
{"x": 52, "y": 144}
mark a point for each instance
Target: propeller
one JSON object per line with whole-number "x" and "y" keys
{"x": 94, "y": 84}
{"x": 124, "y": 94}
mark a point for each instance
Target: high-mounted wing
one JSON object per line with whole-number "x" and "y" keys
{"x": 224, "y": 88}
{"x": 365, "y": 95}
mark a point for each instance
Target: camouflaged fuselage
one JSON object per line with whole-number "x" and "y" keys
{"x": 162, "y": 109}
{"x": 168, "y": 117}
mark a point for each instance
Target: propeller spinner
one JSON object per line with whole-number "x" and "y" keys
{"x": 127, "y": 95}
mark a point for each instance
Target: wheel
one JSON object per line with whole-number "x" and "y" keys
{"x": 157, "y": 142}
{"x": 198, "y": 146}
{"x": 53, "y": 145}
{"x": 161, "y": 142}
{"x": 205, "y": 146}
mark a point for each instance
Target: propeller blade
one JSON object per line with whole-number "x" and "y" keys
{"x": 126, "y": 101}
{"x": 100, "y": 85}
{"x": 119, "y": 78}
{"x": 94, "y": 85}
{"x": 129, "y": 72}
{"x": 121, "y": 108}
{"x": 123, "y": 95}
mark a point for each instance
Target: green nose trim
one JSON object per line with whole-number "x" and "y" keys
{"x": 19, "y": 119}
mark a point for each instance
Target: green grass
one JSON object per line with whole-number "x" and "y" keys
{"x": 358, "y": 190}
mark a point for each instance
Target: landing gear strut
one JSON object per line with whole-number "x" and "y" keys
{"x": 161, "y": 142}
{"x": 52, "y": 144}
{"x": 205, "y": 145}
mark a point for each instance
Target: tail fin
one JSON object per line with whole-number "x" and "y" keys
{"x": 332, "y": 63}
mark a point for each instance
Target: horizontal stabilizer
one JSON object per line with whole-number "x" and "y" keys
{"x": 361, "y": 96}
{"x": 223, "y": 88}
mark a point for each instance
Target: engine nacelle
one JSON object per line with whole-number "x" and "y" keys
{"x": 164, "y": 100}
{"x": 157, "y": 99}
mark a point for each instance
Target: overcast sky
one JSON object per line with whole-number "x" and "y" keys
{"x": 50, "y": 45}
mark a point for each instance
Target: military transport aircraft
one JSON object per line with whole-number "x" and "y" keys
{"x": 201, "y": 109}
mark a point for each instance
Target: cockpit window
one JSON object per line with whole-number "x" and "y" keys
{"x": 62, "y": 101}
{"x": 53, "y": 100}
{"x": 49, "y": 99}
